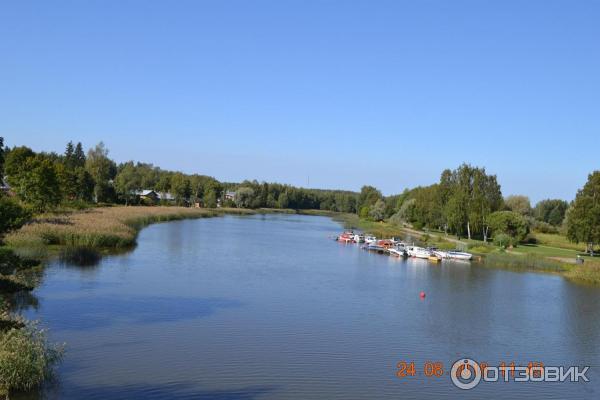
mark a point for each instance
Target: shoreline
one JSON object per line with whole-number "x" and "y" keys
{"x": 87, "y": 235}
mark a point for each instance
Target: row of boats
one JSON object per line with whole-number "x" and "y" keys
{"x": 398, "y": 248}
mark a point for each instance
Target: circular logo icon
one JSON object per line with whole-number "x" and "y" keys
{"x": 465, "y": 373}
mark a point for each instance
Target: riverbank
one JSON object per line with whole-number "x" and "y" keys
{"x": 104, "y": 228}
{"x": 524, "y": 258}
{"x": 81, "y": 236}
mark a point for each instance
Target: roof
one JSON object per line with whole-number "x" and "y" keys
{"x": 229, "y": 193}
{"x": 145, "y": 192}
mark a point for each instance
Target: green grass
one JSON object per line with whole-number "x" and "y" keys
{"x": 546, "y": 251}
{"x": 26, "y": 359}
{"x": 527, "y": 262}
{"x": 560, "y": 241}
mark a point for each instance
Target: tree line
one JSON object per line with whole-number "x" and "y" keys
{"x": 466, "y": 201}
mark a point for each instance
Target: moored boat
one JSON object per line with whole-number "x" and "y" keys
{"x": 346, "y": 237}
{"x": 376, "y": 248}
{"x": 418, "y": 252}
{"x": 370, "y": 239}
{"x": 387, "y": 243}
{"x": 434, "y": 257}
{"x": 440, "y": 253}
{"x": 358, "y": 238}
{"x": 459, "y": 255}
{"x": 394, "y": 251}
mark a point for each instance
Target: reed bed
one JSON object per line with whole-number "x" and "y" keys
{"x": 26, "y": 358}
{"x": 528, "y": 262}
{"x": 101, "y": 228}
{"x": 588, "y": 273}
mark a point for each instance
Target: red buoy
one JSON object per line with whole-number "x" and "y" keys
{"x": 422, "y": 294}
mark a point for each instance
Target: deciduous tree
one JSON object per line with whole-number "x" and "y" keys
{"x": 584, "y": 215}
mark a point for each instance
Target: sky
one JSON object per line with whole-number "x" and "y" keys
{"x": 325, "y": 94}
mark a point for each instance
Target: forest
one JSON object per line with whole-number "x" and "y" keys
{"x": 466, "y": 201}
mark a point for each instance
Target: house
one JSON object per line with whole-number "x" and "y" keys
{"x": 229, "y": 195}
{"x": 147, "y": 195}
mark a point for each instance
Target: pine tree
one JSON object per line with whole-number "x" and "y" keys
{"x": 79, "y": 155}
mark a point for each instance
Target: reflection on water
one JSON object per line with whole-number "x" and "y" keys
{"x": 266, "y": 307}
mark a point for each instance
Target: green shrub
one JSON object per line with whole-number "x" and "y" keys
{"x": 543, "y": 227}
{"x": 12, "y": 214}
{"x": 26, "y": 358}
{"x": 502, "y": 240}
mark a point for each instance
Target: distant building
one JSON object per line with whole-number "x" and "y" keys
{"x": 229, "y": 195}
{"x": 147, "y": 195}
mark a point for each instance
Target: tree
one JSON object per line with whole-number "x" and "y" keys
{"x": 69, "y": 155}
{"x": 85, "y": 184}
{"x": 181, "y": 187}
{"x": 15, "y": 162}
{"x": 164, "y": 182}
{"x": 519, "y": 204}
{"x": 405, "y": 213}
{"x": 67, "y": 178}
{"x": 283, "y": 201}
{"x": 510, "y": 223}
{"x": 368, "y": 196}
{"x": 377, "y": 212}
{"x": 103, "y": 171}
{"x": 210, "y": 198}
{"x": 244, "y": 197}
{"x": 1, "y": 157}
{"x": 12, "y": 215}
{"x": 79, "y": 156}
{"x": 583, "y": 222}
{"x": 472, "y": 196}
{"x": 38, "y": 184}
{"x": 127, "y": 181}
{"x": 552, "y": 211}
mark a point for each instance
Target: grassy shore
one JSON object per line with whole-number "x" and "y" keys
{"x": 552, "y": 254}
{"x": 98, "y": 228}
{"x": 107, "y": 229}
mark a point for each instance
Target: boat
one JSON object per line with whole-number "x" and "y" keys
{"x": 346, "y": 237}
{"x": 418, "y": 252}
{"x": 369, "y": 239}
{"x": 437, "y": 252}
{"x": 358, "y": 238}
{"x": 376, "y": 248}
{"x": 387, "y": 243}
{"x": 394, "y": 251}
{"x": 459, "y": 255}
{"x": 440, "y": 253}
{"x": 434, "y": 257}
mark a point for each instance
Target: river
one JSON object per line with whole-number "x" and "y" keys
{"x": 269, "y": 307}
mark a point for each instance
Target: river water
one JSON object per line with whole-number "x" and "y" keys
{"x": 269, "y": 307}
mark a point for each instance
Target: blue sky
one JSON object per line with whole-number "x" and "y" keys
{"x": 343, "y": 93}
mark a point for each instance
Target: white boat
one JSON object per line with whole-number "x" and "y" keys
{"x": 358, "y": 238}
{"x": 397, "y": 252}
{"x": 440, "y": 253}
{"x": 418, "y": 252}
{"x": 459, "y": 255}
{"x": 376, "y": 248}
{"x": 369, "y": 239}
